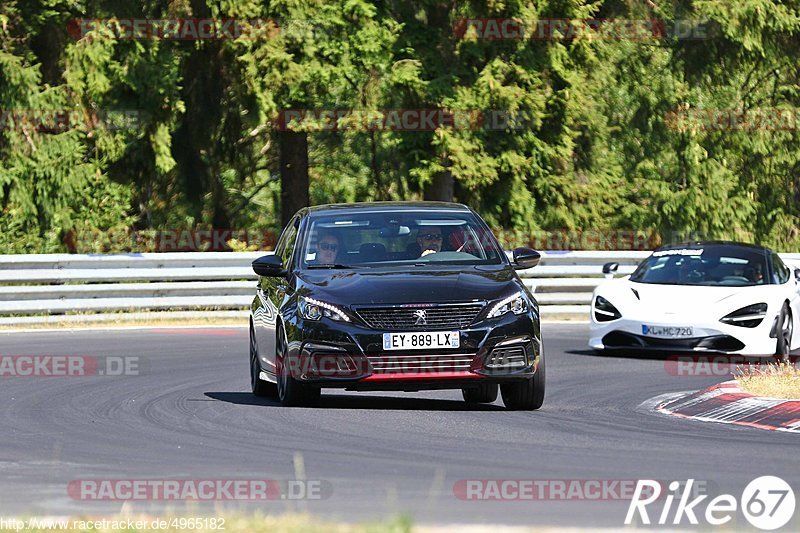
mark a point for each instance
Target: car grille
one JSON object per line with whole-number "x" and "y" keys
{"x": 721, "y": 343}
{"x": 399, "y": 364}
{"x": 405, "y": 319}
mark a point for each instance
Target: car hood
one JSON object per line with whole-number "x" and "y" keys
{"x": 425, "y": 285}
{"x": 684, "y": 299}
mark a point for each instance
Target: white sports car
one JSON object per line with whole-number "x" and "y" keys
{"x": 701, "y": 297}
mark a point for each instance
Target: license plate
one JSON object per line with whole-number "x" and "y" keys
{"x": 667, "y": 331}
{"x": 421, "y": 341}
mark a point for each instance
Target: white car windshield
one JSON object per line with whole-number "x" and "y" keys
{"x": 730, "y": 266}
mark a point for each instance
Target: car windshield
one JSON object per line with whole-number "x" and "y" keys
{"x": 395, "y": 238}
{"x": 712, "y": 266}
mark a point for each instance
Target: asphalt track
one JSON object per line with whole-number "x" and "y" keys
{"x": 189, "y": 415}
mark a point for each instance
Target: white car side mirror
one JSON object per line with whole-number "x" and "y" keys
{"x": 609, "y": 269}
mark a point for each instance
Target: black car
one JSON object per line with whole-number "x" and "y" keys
{"x": 402, "y": 296}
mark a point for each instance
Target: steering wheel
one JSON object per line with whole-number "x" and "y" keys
{"x": 694, "y": 275}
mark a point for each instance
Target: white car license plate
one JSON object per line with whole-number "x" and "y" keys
{"x": 421, "y": 341}
{"x": 669, "y": 332}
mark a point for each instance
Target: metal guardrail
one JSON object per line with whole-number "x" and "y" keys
{"x": 61, "y": 284}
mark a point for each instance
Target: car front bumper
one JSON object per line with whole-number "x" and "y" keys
{"x": 351, "y": 356}
{"x": 707, "y": 336}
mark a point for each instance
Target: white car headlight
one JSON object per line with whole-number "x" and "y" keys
{"x": 314, "y": 310}
{"x": 604, "y": 311}
{"x": 746, "y": 317}
{"x": 516, "y": 303}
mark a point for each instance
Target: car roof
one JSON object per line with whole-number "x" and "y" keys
{"x": 386, "y": 206}
{"x": 691, "y": 245}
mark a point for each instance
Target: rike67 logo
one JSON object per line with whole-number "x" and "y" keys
{"x": 768, "y": 503}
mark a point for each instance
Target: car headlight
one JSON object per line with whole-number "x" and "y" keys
{"x": 604, "y": 311}
{"x": 516, "y": 303}
{"x": 314, "y": 310}
{"x": 746, "y": 317}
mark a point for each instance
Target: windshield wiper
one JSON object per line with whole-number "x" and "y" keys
{"x": 332, "y": 265}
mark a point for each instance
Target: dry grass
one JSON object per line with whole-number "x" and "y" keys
{"x": 775, "y": 380}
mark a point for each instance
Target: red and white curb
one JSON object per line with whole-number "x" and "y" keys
{"x": 726, "y": 403}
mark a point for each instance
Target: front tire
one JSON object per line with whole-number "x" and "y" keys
{"x": 258, "y": 386}
{"x": 785, "y": 331}
{"x": 525, "y": 395}
{"x": 291, "y": 392}
{"x": 485, "y": 393}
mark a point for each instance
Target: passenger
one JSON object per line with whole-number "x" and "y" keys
{"x": 429, "y": 240}
{"x": 711, "y": 264}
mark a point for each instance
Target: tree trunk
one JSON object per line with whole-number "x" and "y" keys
{"x": 376, "y": 169}
{"x": 441, "y": 188}
{"x": 294, "y": 172}
{"x": 219, "y": 203}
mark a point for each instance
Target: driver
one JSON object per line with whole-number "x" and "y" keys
{"x": 755, "y": 274}
{"x": 759, "y": 275}
{"x": 691, "y": 271}
{"x": 328, "y": 247}
{"x": 429, "y": 240}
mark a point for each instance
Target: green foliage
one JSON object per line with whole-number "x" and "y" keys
{"x": 568, "y": 133}
{"x": 51, "y": 183}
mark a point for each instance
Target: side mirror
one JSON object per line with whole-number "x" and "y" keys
{"x": 525, "y": 258}
{"x": 269, "y": 266}
{"x": 797, "y": 274}
{"x": 609, "y": 269}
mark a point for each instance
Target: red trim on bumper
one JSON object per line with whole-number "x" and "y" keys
{"x": 420, "y": 376}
